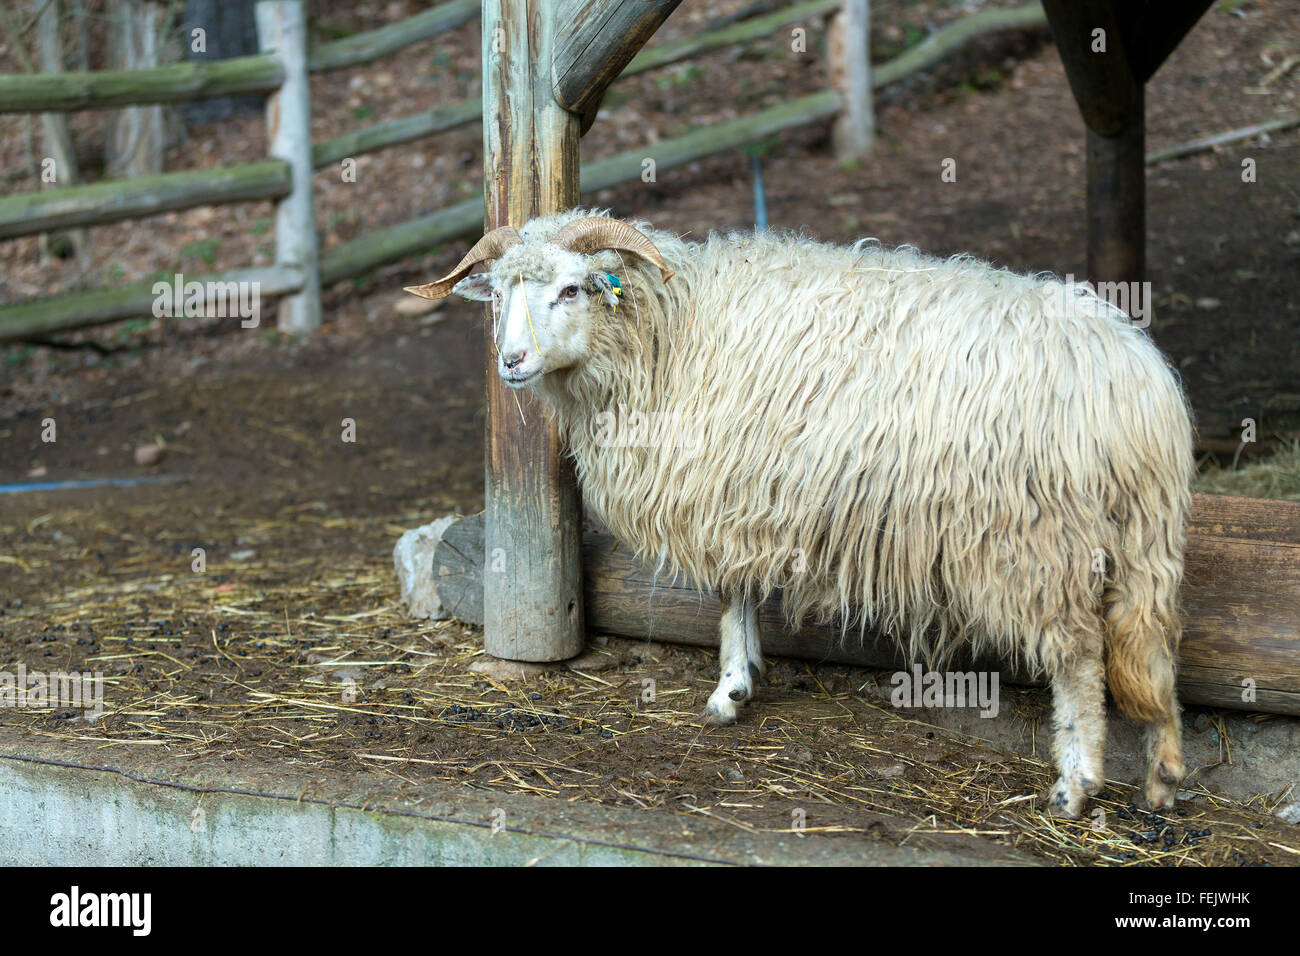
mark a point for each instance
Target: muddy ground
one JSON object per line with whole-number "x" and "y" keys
{"x": 290, "y": 646}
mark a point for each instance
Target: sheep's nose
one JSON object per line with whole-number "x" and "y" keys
{"x": 514, "y": 360}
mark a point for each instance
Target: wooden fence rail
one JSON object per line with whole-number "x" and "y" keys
{"x": 176, "y": 83}
{"x": 26, "y": 214}
{"x": 107, "y": 202}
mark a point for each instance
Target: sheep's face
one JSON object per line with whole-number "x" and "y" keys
{"x": 543, "y": 301}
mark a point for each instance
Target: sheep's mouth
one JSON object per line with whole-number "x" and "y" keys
{"x": 514, "y": 380}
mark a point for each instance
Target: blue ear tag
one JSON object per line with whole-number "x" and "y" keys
{"x": 618, "y": 286}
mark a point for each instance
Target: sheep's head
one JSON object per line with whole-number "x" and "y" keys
{"x": 546, "y": 294}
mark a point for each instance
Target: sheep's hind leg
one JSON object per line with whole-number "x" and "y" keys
{"x": 1079, "y": 716}
{"x": 741, "y": 658}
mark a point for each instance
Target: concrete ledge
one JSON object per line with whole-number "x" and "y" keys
{"x": 89, "y": 806}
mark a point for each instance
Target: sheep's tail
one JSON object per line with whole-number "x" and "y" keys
{"x": 1140, "y": 597}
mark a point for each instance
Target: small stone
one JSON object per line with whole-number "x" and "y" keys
{"x": 413, "y": 562}
{"x": 148, "y": 455}
{"x": 1290, "y": 813}
{"x": 1207, "y": 302}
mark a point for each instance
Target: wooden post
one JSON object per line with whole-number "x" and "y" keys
{"x": 1109, "y": 51}
{"x": 282, "y": 29}
{"x": 533, "y": 586}
{"x": 849, "y": 45}
{"x": 1117, "y": 199}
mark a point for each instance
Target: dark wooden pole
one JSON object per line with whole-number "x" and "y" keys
{"x": 533, "y": 532}
{"x": 1117, "y": 199}
{"x": 1109, "y": 50}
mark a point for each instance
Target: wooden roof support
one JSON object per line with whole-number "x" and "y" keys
{"x": 546, "y": 64}
{"x": 1109, "y": 51}
{"x": 596, "y": 39}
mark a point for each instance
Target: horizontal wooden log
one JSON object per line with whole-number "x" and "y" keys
{"x": 108, "y": 89}
{"x": 112, "y": 201}
{"x": 700, "y": 143}
{"x": 41, "y": 317}
{"x": 376, "y": 44}
{"x": 407, "y": 129}
{"x": 946, "y": 41}
{"x": 359, "y": 256}
{"x": 1241, "y": 600}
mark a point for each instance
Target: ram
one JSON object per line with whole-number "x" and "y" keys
{"x": 964, "y": 458}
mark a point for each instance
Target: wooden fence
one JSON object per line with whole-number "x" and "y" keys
{"x": 282, "y": 70}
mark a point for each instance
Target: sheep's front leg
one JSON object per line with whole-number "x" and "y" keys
{"x": 741, "y": 659}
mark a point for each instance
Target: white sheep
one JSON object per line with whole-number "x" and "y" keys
{"x": 957, "y": 455}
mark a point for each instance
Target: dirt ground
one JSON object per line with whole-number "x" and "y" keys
{"x": 290, "y": 645}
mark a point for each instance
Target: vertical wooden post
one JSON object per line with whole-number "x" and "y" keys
{"x": 532, "y": 585}
{"x": 282, "y": 30}
{"x": 1117, "y": 199}
{"x": 849, "y": 46}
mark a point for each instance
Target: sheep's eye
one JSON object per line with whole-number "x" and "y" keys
{"x": 569, "y": 292}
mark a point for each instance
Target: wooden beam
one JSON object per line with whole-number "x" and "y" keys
{"x": 375, "y": 44}
{"x": 105, "y": 89}
{"x": 1158, "y": 27}
{"x": 1097, "y": 65}
{"x": 1241, "y": 600}
{"x": 533, "y": 588}
{"x": 75, "y": 310}
{"x": 595, "y": 40}
{"x": 27, "y": 213}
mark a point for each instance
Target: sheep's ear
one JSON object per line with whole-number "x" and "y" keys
{"x": 476, "y": 288}
{"x": 606, "y": 287}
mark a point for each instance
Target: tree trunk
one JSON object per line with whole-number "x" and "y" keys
{"x": 136, "y": 136}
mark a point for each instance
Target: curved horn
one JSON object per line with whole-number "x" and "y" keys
{"x": 491, "y": 246}
{"x": 593, "y": 233}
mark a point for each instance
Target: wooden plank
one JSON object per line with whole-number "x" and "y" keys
{"x": 1241, "y": 603}
{"x": 39, "y": 317}
{"x": 282, "y": 30}
{"x": 112, "y": 201}
{"x": 533, "y": 530}
{"x": 106, "y": 89}
{"x": 375, "y": 44}
{"x": 595, "y": 40}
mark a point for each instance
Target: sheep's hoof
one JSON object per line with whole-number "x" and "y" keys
{"x": 720, "y": 713}
{"x": 1162, "y": 786}
{"x": 1067, "y": 798}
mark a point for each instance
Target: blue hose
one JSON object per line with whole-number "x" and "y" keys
{"x": 74, "y": 483}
